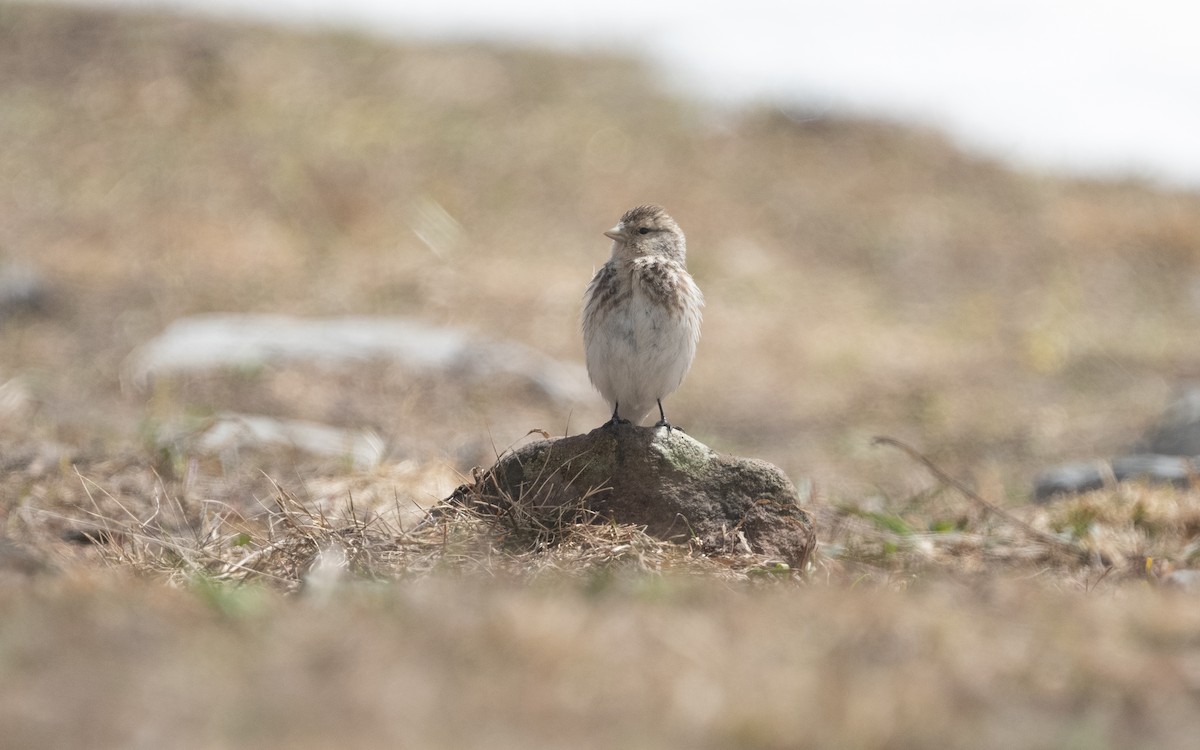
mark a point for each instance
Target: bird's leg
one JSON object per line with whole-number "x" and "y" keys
{"x": 662, "y": 419}
{"x": 616, "y": 420}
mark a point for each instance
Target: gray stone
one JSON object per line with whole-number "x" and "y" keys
{"x": 1185, "y": 580}
{"x": 1177, "y": 432}
{"x": 1085, "y": 477}
{"x": 228, "y": 434}
{"x": 674, "y": 486}
{"x": 1169, "y": 452}
{"x": 207, "y": 343}
{"x": 22, "y": 290}
{"x": 1068, "y": 479}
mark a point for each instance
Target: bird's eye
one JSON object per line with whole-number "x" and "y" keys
{"x": 644, "y": 230}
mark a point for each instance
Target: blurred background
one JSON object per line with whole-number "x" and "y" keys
{"x": 1072, "y": 85}
{"x": 973, "y": 226}
{"x": 339, "y": 250}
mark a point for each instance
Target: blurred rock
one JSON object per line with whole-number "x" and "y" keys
{"x": 1085, "y": 477}
{"x": 22, "y": 290}
{"x": 1169, "y": 452}
{"x": 215, "y": 342}
{"x": 1177, "y": 432}
{"x": 1068, "y": 479}
{"x": 229, "y": 434}
{"x": 676, "y": 487}
{"x": 1185, "y": 580}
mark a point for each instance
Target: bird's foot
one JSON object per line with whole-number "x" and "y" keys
{"x": 662, "y": 420}
{"x": 616, "y": 420}
{"x": 668, "y": 425}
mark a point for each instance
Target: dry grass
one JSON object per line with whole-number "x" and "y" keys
{"x": 291, "y": 545}
{"x": 861, "y": 279}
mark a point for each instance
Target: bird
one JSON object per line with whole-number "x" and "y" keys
{"x": 641, "y": 316}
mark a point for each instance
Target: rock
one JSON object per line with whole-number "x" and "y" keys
{"x": 1177, "y": 432}
{"x": 22, "y": 290}
{"x": 1185, "y": 579}
{"x": 1085, "y": 477}
{"x": 674, "y": 486}
{"x": 1068, "y": 479}
{"x": 1174, "y": 470}
{"x": 1168, "y": 453}
{"x": 228, "y": 434}
{"x": 206, "y": 343}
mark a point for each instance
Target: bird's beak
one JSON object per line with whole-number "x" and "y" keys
{"x": 615, "y": 234}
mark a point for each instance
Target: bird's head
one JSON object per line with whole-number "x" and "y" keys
{"x": 647, "y": 230}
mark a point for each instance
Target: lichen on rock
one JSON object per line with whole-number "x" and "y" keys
{"x": 679, "y": 489}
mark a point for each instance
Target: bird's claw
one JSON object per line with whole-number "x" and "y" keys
{"x": 668, "y": 425}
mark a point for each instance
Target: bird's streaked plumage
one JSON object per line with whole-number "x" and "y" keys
{"x": 641, "y": 315}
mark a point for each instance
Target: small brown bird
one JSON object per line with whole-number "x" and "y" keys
{"x": 641, "y": 316}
